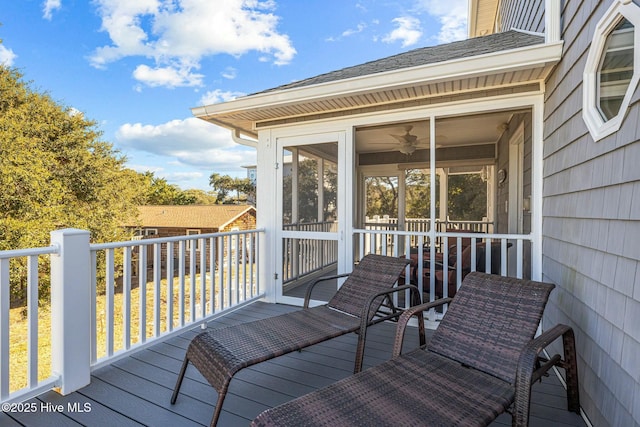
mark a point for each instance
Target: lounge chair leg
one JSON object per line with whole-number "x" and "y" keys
{"x": 571, "y": 371}
{"x": 176, "y": 390}
{"x": 362, "y": 336}
{"x": 221, "y": 395}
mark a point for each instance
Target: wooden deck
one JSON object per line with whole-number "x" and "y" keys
{"x": 136, "y": 390}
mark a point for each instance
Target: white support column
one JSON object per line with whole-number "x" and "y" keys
{"x": 552, "y": 21}
{"x": 295, "y": 213}
{"x": 70, "y": 313}
{"x": 320, "y": 172}
{"x": 443, "y": 215}
{"x": 537, "y": 178}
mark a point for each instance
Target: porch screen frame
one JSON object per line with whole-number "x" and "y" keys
{"x": 301, "y": 140}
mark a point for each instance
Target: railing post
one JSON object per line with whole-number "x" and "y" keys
{"x": 70, "y": 309}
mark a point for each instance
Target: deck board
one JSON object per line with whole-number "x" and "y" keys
{"x": 136, "y": 390}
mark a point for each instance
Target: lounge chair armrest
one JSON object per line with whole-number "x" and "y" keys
{"x": 439, "y": 264}
{"x": 366, "y": 309}
{"x": 418, "y": 311}
{"x": 366, "y": 313}
{"x": 307, "y": 296}
{"x": 529, "y": 371}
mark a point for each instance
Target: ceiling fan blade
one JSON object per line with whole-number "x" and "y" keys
{"x": 407, "y": 138}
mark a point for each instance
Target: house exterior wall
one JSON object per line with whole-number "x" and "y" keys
{"x": 591, "y": 230}
{"x": 525, "y": 15}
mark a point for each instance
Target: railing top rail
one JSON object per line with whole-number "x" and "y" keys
{"x": 294, "y": 224}
{"x": 114, "y": 245}
{"x": 449, "y": 234}
{"x": 16, "y": 253}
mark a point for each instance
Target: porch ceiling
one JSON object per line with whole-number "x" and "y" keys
{"x": 363, "y": 89}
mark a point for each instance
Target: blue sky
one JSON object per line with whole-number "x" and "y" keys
{"x": 136, "y": 67}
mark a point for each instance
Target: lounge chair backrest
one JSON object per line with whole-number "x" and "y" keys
{"x": 489, "y": 321}
{"x": 374, "y": 273}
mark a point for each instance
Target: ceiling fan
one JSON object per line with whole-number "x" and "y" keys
{"x": 408, "y": 142}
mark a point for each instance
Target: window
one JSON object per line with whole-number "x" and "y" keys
{"x": 616, "y": 69}
{"x": 611, "y": 72}
{"x": 191, "y": 242}
{"x": 139, "y": 234}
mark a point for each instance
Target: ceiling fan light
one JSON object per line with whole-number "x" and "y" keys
{"x": 407, "y": 149}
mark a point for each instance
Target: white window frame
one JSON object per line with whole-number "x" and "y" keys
{"x": 193, "y": 232}
{"x": 150, "y": 231}
{"x": 598, "y": 127}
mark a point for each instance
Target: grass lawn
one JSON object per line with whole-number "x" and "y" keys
{"x": 18, "y": 334}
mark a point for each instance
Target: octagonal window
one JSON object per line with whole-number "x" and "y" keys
{"x": 611, "y": 72}
{"x": 616, "y": 69}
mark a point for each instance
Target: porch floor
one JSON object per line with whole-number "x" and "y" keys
{"x": 136, "y": 390}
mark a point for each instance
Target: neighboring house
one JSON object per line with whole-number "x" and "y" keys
{"x": 181, "y": 220}
{"x": 547, "y": 101}
{"x": 192, "y": 220}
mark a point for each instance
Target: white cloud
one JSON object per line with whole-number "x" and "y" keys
{"x": 167, "y": 76}
{"x": 452, "y": 15}
{"x": 185, "y": 176}
{"x": 217, "y": 96}
{"x": 229, "y": 73}
{"x": 49, "y": 6}
{"x": 359, "y": 28}
{"x": 191, "y": 142}
{"x": 7, "y": 56}
{"x": 408, "y": 31}
{"x": 178, "y": 34}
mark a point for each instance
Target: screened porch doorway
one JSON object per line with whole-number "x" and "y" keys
{"x": 311, "y": 209}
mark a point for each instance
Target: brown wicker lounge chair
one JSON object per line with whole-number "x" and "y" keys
{"x": 219, "y": 353}
{"x": 480, "y": 362}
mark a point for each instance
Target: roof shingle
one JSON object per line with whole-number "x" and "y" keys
{"x": 424, "y": 56}
{"x": 188, "y": 216}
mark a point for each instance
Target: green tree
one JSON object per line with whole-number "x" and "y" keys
{"x": 419, "y": 193}
{"x": 201, "y": 197}
{"x": 225, "y": 185}
{"x": 55, "y": 172}
{"x": 382, "y": 196}
{"x": 308, "y": 195}
{"x": 160, "y": 192}
{"x": 467, "y": 197}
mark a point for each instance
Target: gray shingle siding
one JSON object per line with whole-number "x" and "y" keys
{"x": 525, "y": 15}
{"x": 591, "y": 228}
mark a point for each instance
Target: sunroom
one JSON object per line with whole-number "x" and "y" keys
{"x": 434, "y": 154}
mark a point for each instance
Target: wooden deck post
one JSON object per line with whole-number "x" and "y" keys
{"x": 70, "y": 309}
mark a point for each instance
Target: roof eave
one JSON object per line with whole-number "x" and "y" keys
{"x": 508, "y": 60}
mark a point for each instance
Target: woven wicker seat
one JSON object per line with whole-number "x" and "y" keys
{"x": 480, "y": 362}
{"x": 220, "y": 353}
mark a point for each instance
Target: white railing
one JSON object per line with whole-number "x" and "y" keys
{"x": 422, "y": 225}
{"x": 451, "y": 256}
{"x": 38, "y": 378}
{"x": 108, "y": 300}
{"x": 302, "y": 257}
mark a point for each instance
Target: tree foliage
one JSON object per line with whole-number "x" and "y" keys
{"x": 56, "y": 172}
{"x": 382, "y": 196}
{"x": 225, "y": 186}
{"x": 308, "y": 193}
{"x": 201, "y": 197}
{"x": 160, "y": 192}
{"x": 467, "y": 196}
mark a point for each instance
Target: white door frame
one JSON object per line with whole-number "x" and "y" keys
{"x": 339, "y": 235}
{"x": 516, "y": 174}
